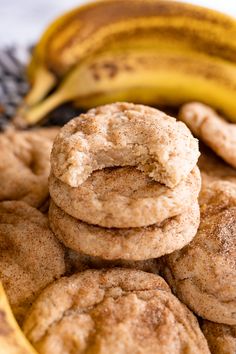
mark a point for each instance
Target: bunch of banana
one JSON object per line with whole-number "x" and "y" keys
{"x": 12, "y": 340}
{"x": 148, "y": 51}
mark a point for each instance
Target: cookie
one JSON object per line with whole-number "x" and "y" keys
{"x": 208, "y": 126}
{"x": 217, "y": 196}
{"x": 113, "y": 311}
{"x": 124, "y": 197}
{"x": 77, "y": 262}
{"x": 213, "y": 168}
{"x": 47, "y": 132}
{"x": 203, "y": 274}
{"x": 221, "y": 338}
{"x": 30, "y": 255}
{"x": 24, "y": 167}
{"x": 124, "y": 134}
{"x": 128, "y": 244}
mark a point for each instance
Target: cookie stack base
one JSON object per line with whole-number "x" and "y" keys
{"x": 129, "y": 244}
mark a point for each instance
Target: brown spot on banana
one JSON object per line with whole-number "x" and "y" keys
{"x": 108, "y": 68}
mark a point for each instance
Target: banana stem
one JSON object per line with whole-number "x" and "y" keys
{"x": 43, "y": 83}
{"x": 39, "y": 111}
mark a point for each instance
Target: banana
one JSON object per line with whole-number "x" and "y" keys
{"x": 151, "y": 30}
{"x": 12, "y": 340}
{"x": 166, "y": 79}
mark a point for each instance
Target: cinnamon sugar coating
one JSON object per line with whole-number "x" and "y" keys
{"x": 112, "y": 311}
{"x": 24, "y": 167}
{"x": 30, "y": 255}
{"x": 125, "y": 197}
{"x": 215, "y": 131}
{"x": 127, "y": 244}
{"x": 124, "y": 134}
{"x": 203, "y": 274}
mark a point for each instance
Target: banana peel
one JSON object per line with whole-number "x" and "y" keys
{"x": 88, "y": 28}
{"x": 167, "y": 79}
{"x": 152, "y": 30}
{"x": 12, "y": 339}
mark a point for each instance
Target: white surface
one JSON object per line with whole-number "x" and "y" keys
{"x": 227, "y": 6}
{"x": 22, "y": 21}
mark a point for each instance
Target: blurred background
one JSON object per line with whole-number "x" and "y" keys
{"x": 23, "y": 21}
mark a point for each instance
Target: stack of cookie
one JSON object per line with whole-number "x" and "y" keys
{"x": 124, "y": 183}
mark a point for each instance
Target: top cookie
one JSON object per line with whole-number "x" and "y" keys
{"x": 216, "y": 132}
{"x": 119, "y": 311}
{"x": 124, "y": 134}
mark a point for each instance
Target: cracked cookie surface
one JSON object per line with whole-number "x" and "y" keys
{"x": 124, "y": 197}
{"x": 124, "y": 134}
{"x": 203, "y": 273}
{"x": 129, "y": 244}
{"x": 30, "y": 255}
{"x": 114, "y": 311}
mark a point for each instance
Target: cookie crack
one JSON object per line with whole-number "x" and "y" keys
{"x": 86, "y": 309}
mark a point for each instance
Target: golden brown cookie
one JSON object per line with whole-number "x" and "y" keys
{"x": 124, "y": 134}
{"x": 128, "y": 244}
{"x": 221, "y": 338}
{"x": 30, "y": 255}
{"x": 215, "y": 131}
{"x": 124, "y": 197}
{"x": 24, "y": 167}
{"x": 203, "y": 274}
{"x": 213, "y": 168}
{"x": 113, "y": 311}
{"x": 78, "y": 262}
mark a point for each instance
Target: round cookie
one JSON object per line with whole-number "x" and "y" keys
{"x": 78, "y": 262}
{"x": 113, "y": 311}
{"x": 203, "y": 274}
{"x": 124, "y": 197}
{"x": 124, "y": 134}
{"x": 30, "y": 255}
{"x": 216, "y": 132}
{"x": 221, "y": 338}
{"x": 128, "y": 244}
{"x": 24, "y": 167}
{"x": 213, "y": 168}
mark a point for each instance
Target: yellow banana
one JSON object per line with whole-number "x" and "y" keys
{"x": 12, "y": 340}
{"x": 138, "y": 28}
{"x": 166, "y": 79}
